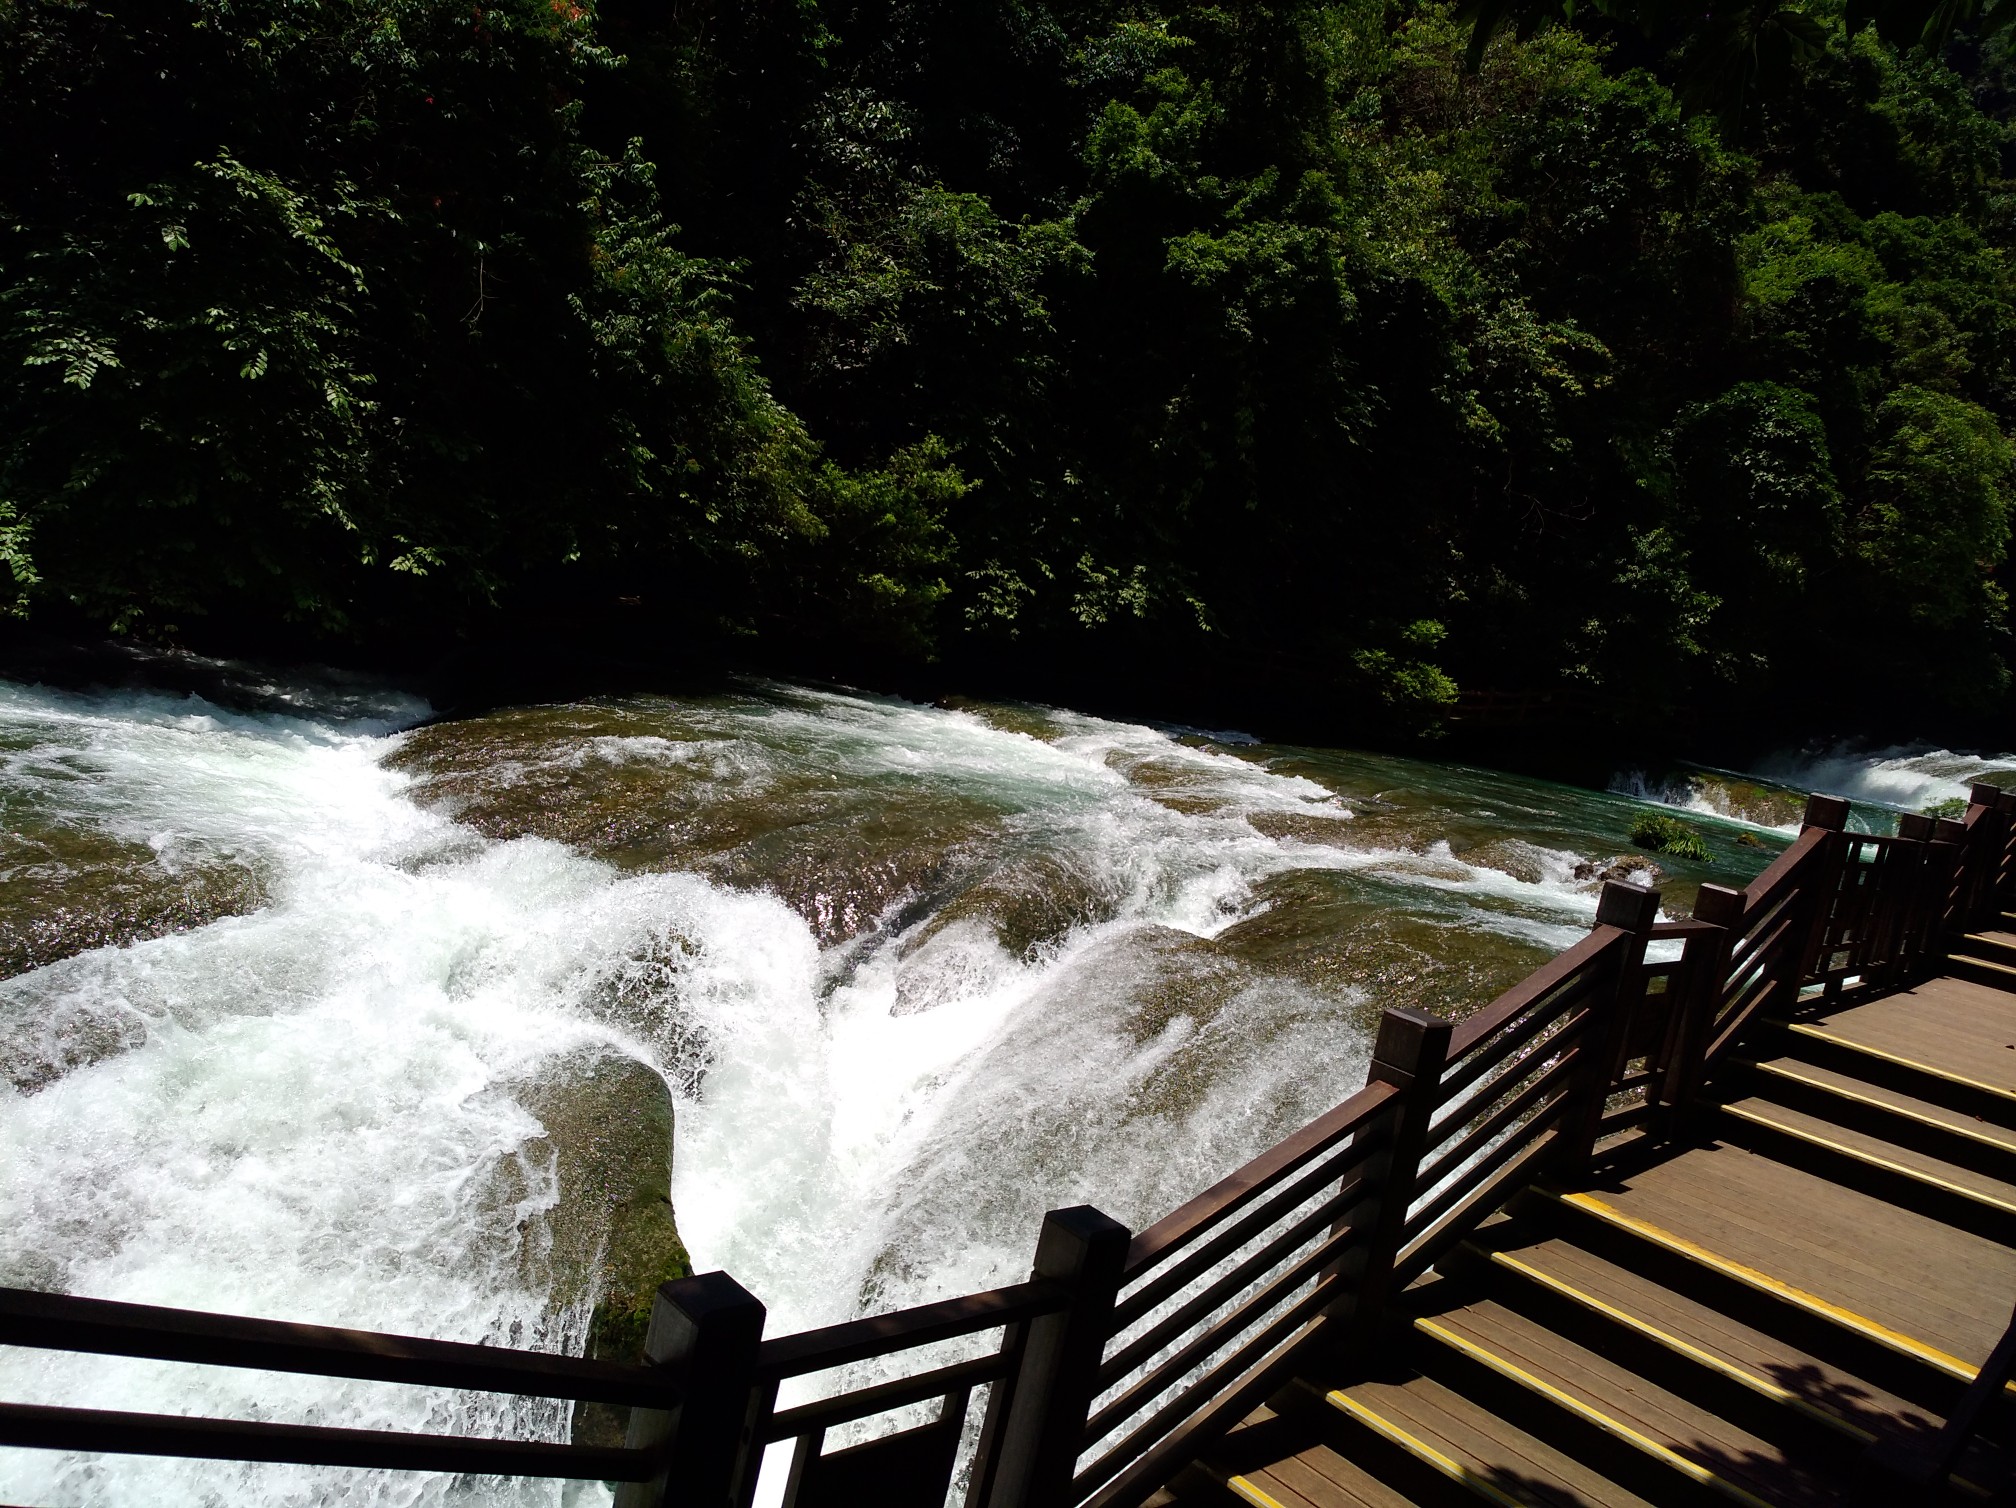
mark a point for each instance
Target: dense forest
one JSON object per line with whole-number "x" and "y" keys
{"x": 1279, "y": 351}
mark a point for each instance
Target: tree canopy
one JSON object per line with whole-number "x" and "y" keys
{"x": 1364, "y": 351}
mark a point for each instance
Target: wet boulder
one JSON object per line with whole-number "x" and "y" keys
{"x": 65, "y": 890}
{"x": 1631, "y": 869}
{"x": 612, "y": 1235}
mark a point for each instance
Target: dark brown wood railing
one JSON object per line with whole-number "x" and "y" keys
{"x": 1126, "y": 1353}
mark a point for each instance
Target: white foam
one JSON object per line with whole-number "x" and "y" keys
{"x": 314, "y": 1110}
{"x": 1907, "y": 778}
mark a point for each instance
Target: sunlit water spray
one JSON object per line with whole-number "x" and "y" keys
{"x": 1102, "y": 990}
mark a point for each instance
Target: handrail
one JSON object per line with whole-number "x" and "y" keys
{"x": 905, "y": 1329}
{"x": 1129, "y": 1351}
{"x": 66, "y": 1322}
{"x": 1758, "y": 893}
{"x": 311, "y": 1445}
{"x": 1556, "y": 971}
{"x": 1183, "y": 1224}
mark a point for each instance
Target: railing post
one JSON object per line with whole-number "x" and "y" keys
{"x": 1945, "y": 860}
{"x": 705, "y": 1331}
{"x": 1631, "y": 909}
{"x": 1410, "y": 1052}
{"x": 1918, "y": 923}
{"x": 1035, "y": 1426}
{"x": 2005, "y": 866}
{"x": 1829, "y": 814}
{"x": 1984, "y": 844}
{"x": 1706, "y": 975}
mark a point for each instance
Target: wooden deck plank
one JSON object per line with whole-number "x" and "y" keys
{"x": 1518, "y": 1464}
{"x": 1954, "y": 1024}
{"x": 1909, "y": 1272}
{"x": 1697, "y": 1433}
{"x": 1949, "y": 1327}
{"x": 2000, "y": 1190}
{"x": 1819, "y": 1382}
{"x": 1972, "y": 1126}
{"x": 1821, "y": 1236}
{"x": 1284, "y": 1481}
{"x": 1323, "y": 1477}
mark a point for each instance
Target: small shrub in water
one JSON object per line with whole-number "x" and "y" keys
{"x": 1952, "y": 806}
{"x": 1668, "y": 835}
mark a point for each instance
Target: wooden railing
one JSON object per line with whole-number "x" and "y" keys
{"x": 1125, "y": 1353}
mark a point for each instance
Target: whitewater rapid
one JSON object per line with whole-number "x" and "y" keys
{"x": 317, "y": 1110}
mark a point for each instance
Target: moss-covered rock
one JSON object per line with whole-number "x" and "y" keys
{"x": 650, "y": 784}
{"x": 1734, "y": 796}
{"x": 65, "y": 890}
{"x": 612, "y": 1234}
{"x": 1669, "y": 835}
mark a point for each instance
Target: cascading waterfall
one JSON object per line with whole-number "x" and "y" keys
{"x": 913, "y": 974}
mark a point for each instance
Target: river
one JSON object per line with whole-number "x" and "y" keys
{"x": 294, "y": 976}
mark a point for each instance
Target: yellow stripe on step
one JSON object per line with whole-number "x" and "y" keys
{"x": 1871, "y": 1159}
{"x": 1242, "y": 1488}
{"x": 1454, "y": 1470}
{"x": 1688, "y": 1349}
{"x": 1780, "y": 1071}
{"x": 1952, "y": 1365}
{"x": 1986, "y": 963}
{"x": 1890, "y": 1057}
{"x": 1708, "y": 1359}
{"x": 1589, "y": 1413}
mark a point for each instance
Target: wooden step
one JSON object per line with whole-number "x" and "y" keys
{"x": 1762, "y": 1382}
{"x": 1698, "y": 1351}
{"x": 1418, "y": 1426}
{"x": 1314, "y": 1478}
{"x": 1917, "y": 1180}
{"x": 1655, "y": 1440}
{"x": 1271, "y": 1459}
{"x": 1982, "y": 970}
{"x": 1963, "y": 1094}
{"x": 1903, "y": 1119}
{"x": 1996, "y": 946}
{"x": 1903, "y": 1364}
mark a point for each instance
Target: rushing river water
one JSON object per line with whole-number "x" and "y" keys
{"x": 292, "y": 991}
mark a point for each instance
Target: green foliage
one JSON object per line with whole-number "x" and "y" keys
{"x": 1356, "y": 349}
{"x": 1936, "y": 523}
{"x": 1669, "y": 835}
{"x": 1952, "y": 806}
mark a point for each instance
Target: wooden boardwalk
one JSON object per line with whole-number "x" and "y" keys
{"x": 1823, "y": 1260}
{"x": 1705, "y": 1211}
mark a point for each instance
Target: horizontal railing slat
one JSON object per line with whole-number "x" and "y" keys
{"x": 1423, "y": 1250}
{"x": 1480, "y": 1135}
{"x": 1197, "y": 1395}
{"x": 843, "y": 1408}
{"x": 1564, "y": 1007}
{"x": 1343, "y": 1169}
{"x": 1160, "y": 1461}
{"x": 1217, "y": 1337}
{"x": 1174, "y": 1230}
{"x": 66, "y": 1322}
{"x": 878, "y": 1335}
{"x": 1781, "y": 871}
{"x": 35, "y": 1425}
{"x": 1549, "y": 976}
{"x": 1229, "y": 1282}
{"x": 1465, "y": 1181}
